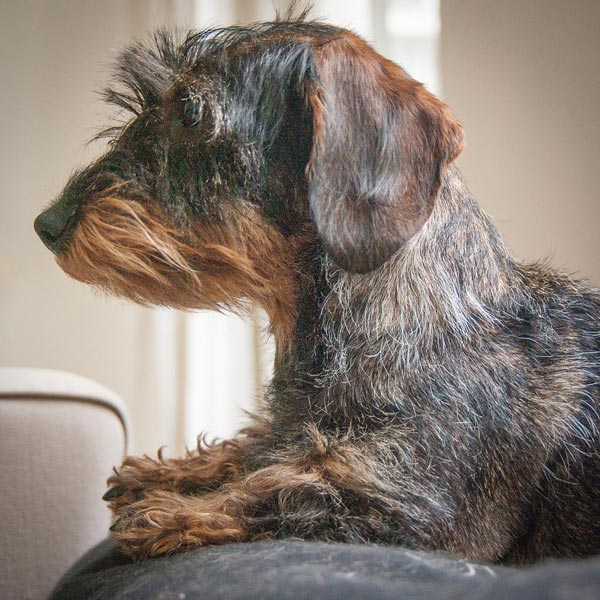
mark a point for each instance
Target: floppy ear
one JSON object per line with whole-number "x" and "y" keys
{"x": 381, "y": 144}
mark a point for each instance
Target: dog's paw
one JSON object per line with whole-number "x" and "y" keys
{"x": 113, "y": 492}
{"x": 134, "y": 478}
{"x": 164, "y": 522}
{"x": 122, "y": 491}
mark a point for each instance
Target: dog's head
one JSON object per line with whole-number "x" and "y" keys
{"x": 244, "y": 147}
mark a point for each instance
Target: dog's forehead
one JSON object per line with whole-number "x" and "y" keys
{"x": 255, "y": 37}
{"x": 226, "y": 53}
{"x": 145, "y": 72}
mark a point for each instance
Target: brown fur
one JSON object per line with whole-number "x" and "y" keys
{"x": 125, "y": 248}
{"x": 355, "y": 80}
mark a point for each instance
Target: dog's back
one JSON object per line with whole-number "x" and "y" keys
{"x": 559, "y": 335}
{"x": 491, "y": 370}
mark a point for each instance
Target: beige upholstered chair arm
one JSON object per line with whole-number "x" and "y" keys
{"x": 60, "y": 436}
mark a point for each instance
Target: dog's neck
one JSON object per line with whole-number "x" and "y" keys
{"x": 451, "y": 279}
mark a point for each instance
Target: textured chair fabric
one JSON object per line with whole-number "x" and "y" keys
{"x": 296, "y": 570}
{"x": 60, "y": 435}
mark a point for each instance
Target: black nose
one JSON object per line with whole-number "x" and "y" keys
{"x": 51, "y": 225}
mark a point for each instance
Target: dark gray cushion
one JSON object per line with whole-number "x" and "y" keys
{"x": 317, "y": 570}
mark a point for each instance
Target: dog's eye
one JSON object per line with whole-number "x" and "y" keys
{"x": 192, "y": 110}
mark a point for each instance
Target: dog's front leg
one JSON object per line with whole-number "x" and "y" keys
{"x": 204, "y": 469}
{"x": 165, "y": 522}
{"x": 319, "y": 489}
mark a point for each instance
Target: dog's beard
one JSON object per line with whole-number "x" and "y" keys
{"x": 123, "y": 248}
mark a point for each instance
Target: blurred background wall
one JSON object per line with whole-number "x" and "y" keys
{"x": 523, "y": 78}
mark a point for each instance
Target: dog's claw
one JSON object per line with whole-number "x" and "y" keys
{"x": 113, "y": 492}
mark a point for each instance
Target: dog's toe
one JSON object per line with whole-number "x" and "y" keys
{"x": 115, "y": 525}
{"x": 113, "y": 492}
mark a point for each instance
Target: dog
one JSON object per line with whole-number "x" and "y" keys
{"x": 428, "y": 390}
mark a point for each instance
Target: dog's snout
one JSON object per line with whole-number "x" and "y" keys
{"x": 51, "y": 225}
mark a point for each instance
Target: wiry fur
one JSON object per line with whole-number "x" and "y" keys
{"x": 429, "y": 390}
